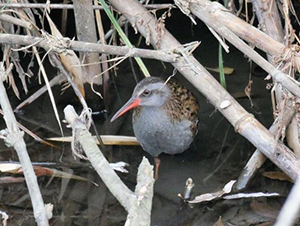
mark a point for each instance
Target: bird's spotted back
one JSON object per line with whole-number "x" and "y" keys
{"x": 182, "y": 105}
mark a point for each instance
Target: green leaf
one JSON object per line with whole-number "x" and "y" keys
{"x": 221, "y": 67}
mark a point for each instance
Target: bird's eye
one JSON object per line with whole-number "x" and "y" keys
{"x": 146, "y": 92}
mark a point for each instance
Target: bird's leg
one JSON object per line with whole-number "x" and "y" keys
{"x": 157, "y": 164}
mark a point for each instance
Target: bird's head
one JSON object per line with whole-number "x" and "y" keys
{"x": 150, "y": 92}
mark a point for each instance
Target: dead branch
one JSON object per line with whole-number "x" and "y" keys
{"x": 14, "y": 137}
{"x": 138, "y": 204}
{"x": 166, "y": 56}
{"x": 243, "y": 122}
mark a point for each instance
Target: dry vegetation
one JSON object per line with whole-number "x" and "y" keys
{"x": 30, "y": 33}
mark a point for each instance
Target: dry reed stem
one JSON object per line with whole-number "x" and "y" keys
{"x": 257, "y": 159}
{"x": 56, "y": 80}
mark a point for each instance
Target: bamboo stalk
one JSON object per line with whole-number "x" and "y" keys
{"x": 243, "y": 122}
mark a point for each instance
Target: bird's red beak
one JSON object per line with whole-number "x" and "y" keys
{"x": 131, "y": 103}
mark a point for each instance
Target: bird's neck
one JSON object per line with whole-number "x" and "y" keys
{"x": 147, "y": 111}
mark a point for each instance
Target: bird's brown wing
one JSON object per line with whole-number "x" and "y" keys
{"x": 185, "y": 105}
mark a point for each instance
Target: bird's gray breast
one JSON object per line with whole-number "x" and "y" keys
{"x": 157, "y": 133}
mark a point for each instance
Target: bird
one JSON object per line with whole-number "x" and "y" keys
{"x": 165, "y": 117}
